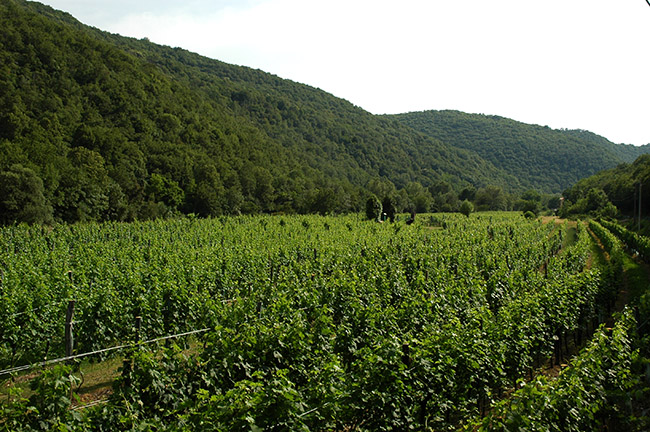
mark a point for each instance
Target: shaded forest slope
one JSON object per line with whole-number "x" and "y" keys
{"x": 116, "y": 128}
{"x": 542, "y": 158}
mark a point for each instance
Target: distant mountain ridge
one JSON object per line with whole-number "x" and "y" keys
{"x": 540, "y": 157}
{"x": 627, "y": 152}
{"x": 97, "y": 126}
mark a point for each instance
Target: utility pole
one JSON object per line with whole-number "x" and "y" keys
{"x": 640, "y": 185}
{"x": 634, "y": 211}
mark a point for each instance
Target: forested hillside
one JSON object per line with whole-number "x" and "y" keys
{"x": 622, "y": 186}
{"x": 94, "y": 126}
{"x": 541, "y": 158}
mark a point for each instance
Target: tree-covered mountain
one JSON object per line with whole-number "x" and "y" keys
{"x": 627, "y": 152}
{"x": 105, "y": 127}
{"x": 541, "y": 158}
{"x": 95, "y": 126}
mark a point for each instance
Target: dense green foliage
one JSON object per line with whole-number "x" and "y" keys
{"x": 606, "y": 387}
{"x": 373, "y": 208}
{"x": 540, "y": 158}
{"x": 22, "y": 197}
{"x": 466, "y": 208}
{"x": 103, "y": 127}
{"x": 637, "y": 243}
{"x": 598, "y": 391}
{"x": 118, "y": 128}
{"x": 317, "y": 322}
{"x": 619, "y": 185}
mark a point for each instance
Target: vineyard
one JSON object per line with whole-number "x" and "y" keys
{"x": 325, "y": 323}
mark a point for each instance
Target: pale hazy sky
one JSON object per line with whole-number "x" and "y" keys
{"x": 578, "y": 64}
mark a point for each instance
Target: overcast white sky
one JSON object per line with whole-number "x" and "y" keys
{"x": 578, "y": 64}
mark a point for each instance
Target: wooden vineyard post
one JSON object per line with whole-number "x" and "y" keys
{"x": 69, "y": 337}
{"x": 127, "y": 363}
{"x": 138, "y": 325}
{"x": 138, "y": 334}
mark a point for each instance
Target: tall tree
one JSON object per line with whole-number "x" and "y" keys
{"x": 21, "y": 197}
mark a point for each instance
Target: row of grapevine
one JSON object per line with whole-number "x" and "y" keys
{"x": 597, "y": 390}
{"x": 613, "y": 268}
{"x": 319, "y": 323}
{"x": 634, "y": 241}
{"x": 605, "y": 387}
{"x": 610, "y": 242}
{"x": 640, "y": 245}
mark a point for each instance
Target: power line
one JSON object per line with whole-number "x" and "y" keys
{"x": 104, "y": 350}
{"x": 37, "y": 308}
{"x": 91, "y": 404}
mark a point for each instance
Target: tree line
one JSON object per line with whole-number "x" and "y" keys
{"x": 623, "y": 191}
